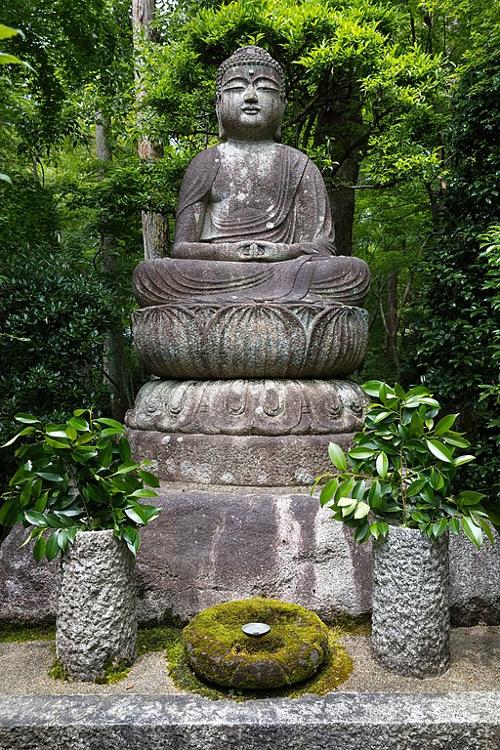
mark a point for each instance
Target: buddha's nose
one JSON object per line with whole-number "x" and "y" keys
{"x": 250, "y": 93}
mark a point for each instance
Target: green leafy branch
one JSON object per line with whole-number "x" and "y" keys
{"x": 400, "y": 469}
{"x": 76, "y": 476}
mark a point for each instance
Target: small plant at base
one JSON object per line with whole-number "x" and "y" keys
{"x": 76, "y": 476}
{"x": 399, "y": 471}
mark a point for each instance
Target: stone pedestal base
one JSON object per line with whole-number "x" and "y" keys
{"x": 241, "y": 432}
{"x": 241, "y": 460}
{"x": 214, "y": 544}
{"x": 217, "y": 544}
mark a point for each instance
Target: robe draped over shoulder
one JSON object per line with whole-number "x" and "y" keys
{"x": 299, "y": 212}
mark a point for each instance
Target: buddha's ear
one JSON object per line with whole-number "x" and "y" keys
{"x": 277, "y": 135}
{"x": 222, "y": 134}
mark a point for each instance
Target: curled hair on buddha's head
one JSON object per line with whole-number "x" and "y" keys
{"x": 250, "y": 55}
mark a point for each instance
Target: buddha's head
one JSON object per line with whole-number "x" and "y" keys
{"x": 250, "y": 96}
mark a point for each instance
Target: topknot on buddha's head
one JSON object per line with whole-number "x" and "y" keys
{"x": 250, "y": 55}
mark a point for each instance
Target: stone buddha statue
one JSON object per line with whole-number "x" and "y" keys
{"x": 249, "y": 324}
{"x": 253, "y": 219}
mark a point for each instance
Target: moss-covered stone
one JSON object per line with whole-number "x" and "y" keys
{"x": 221, "y": 653}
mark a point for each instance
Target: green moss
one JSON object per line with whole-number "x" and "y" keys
{"x": 221, "y": 653}
{"x": 156, "y": 638}
{"x": 361, "y": 625}
{"x": 22, "y": 633}
{"x": 335, "y": 670}
{"x": 57, "y": 671}
{"x": 114, "y": 673}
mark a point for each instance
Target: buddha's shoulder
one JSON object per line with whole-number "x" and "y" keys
{"x": 208, "y": 157}
{"x": 296, "y": 157}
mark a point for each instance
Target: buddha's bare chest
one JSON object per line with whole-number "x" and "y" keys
{"x": 244, "y": 180}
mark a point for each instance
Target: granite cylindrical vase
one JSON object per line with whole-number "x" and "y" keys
{"x": 411, "y": 613}
{"x": 96, "y": 617}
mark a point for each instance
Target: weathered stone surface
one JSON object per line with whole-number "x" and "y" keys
{"x": 321, "y": 340}
{"x": 341, "y": 721}
{"x": 249, "y": 407}
{"x": 475, "y": 581}
{"x": 219, "y": 652}
{"x": 217, "y": 544}
{"x": 96, "y": 618}
{"x": 166, "y": 281}
{"x": 410, "y": 617}
{"x": 241, "y": 460}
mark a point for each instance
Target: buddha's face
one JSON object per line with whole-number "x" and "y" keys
{"x": 250, "y": 104}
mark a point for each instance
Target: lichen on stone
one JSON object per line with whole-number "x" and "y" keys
{"x": 219, "y": 651}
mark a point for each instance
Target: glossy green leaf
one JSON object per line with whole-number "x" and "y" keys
{"x": 26, "y": 419}
{"x": 372, "y": 387}
{"x": 135, "y": 514}
{"x": 445, "y": 424}
{"x": 52, "y": 547}
{"x": 35, "y": 518}
{"x": 151, "y": 479}
{"x": 328, "y": 491}
{"x": 39, "y": 548}
{"x": 461, "y": 460}
{"x": 26, "y": 431}
{"x": 126, "y": 468}
{"x": 469, "y": 497}
{"x": 382, "y": 465}
{"x": 361, "y": 453}
{"x": 337, "y": 456}
{"x": 439, "y": 450}
{"x": 415, "y": 487}
{"x": 362, "y": 510}
{"x": 472, "y": 531}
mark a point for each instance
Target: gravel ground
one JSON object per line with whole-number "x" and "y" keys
{"x": 475, "y": 666}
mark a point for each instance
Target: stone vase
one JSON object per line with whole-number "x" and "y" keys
{"x": 411, "y": 621}
{"x": 96, "y": 617}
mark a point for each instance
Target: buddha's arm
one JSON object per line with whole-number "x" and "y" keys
{"x": 314, "y": 231}
{"x": 187, "y": 243}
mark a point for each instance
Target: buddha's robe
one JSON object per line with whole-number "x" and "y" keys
{"x": 290, "y": 210}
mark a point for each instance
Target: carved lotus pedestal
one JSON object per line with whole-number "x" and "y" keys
{"x": 245, "y": 340}
{"x": 245, "y": 398}
{"x": 243, "y": 432}
{"x": 247, "y": 420}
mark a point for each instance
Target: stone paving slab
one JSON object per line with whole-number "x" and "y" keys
{"x": 341, "y": 721}
{"x": 374, "y": 710}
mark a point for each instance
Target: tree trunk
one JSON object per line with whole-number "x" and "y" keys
{"x": 343, "y": 204}
{"x": 341, "y": 123}
{"x": 114, "y": 350}
{"x": 154, "y": 225}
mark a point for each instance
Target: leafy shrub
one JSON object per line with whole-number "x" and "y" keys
{"x": 54, "y": 321}
{"x": 400, "y": 470}
{"x": 76, "y": 476}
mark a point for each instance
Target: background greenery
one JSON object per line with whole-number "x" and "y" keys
{"x": 396, "y": 102}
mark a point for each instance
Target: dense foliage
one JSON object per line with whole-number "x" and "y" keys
{"x": 456, "y": 318}
{"x": 400, "y": 470}
{"x": 76, "y": 476}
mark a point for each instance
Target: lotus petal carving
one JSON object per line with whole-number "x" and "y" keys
{"x": 249, "y": 407}
{"x": 251, "y": 340}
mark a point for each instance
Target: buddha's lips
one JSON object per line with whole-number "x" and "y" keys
{"x": 248, "y": 110}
